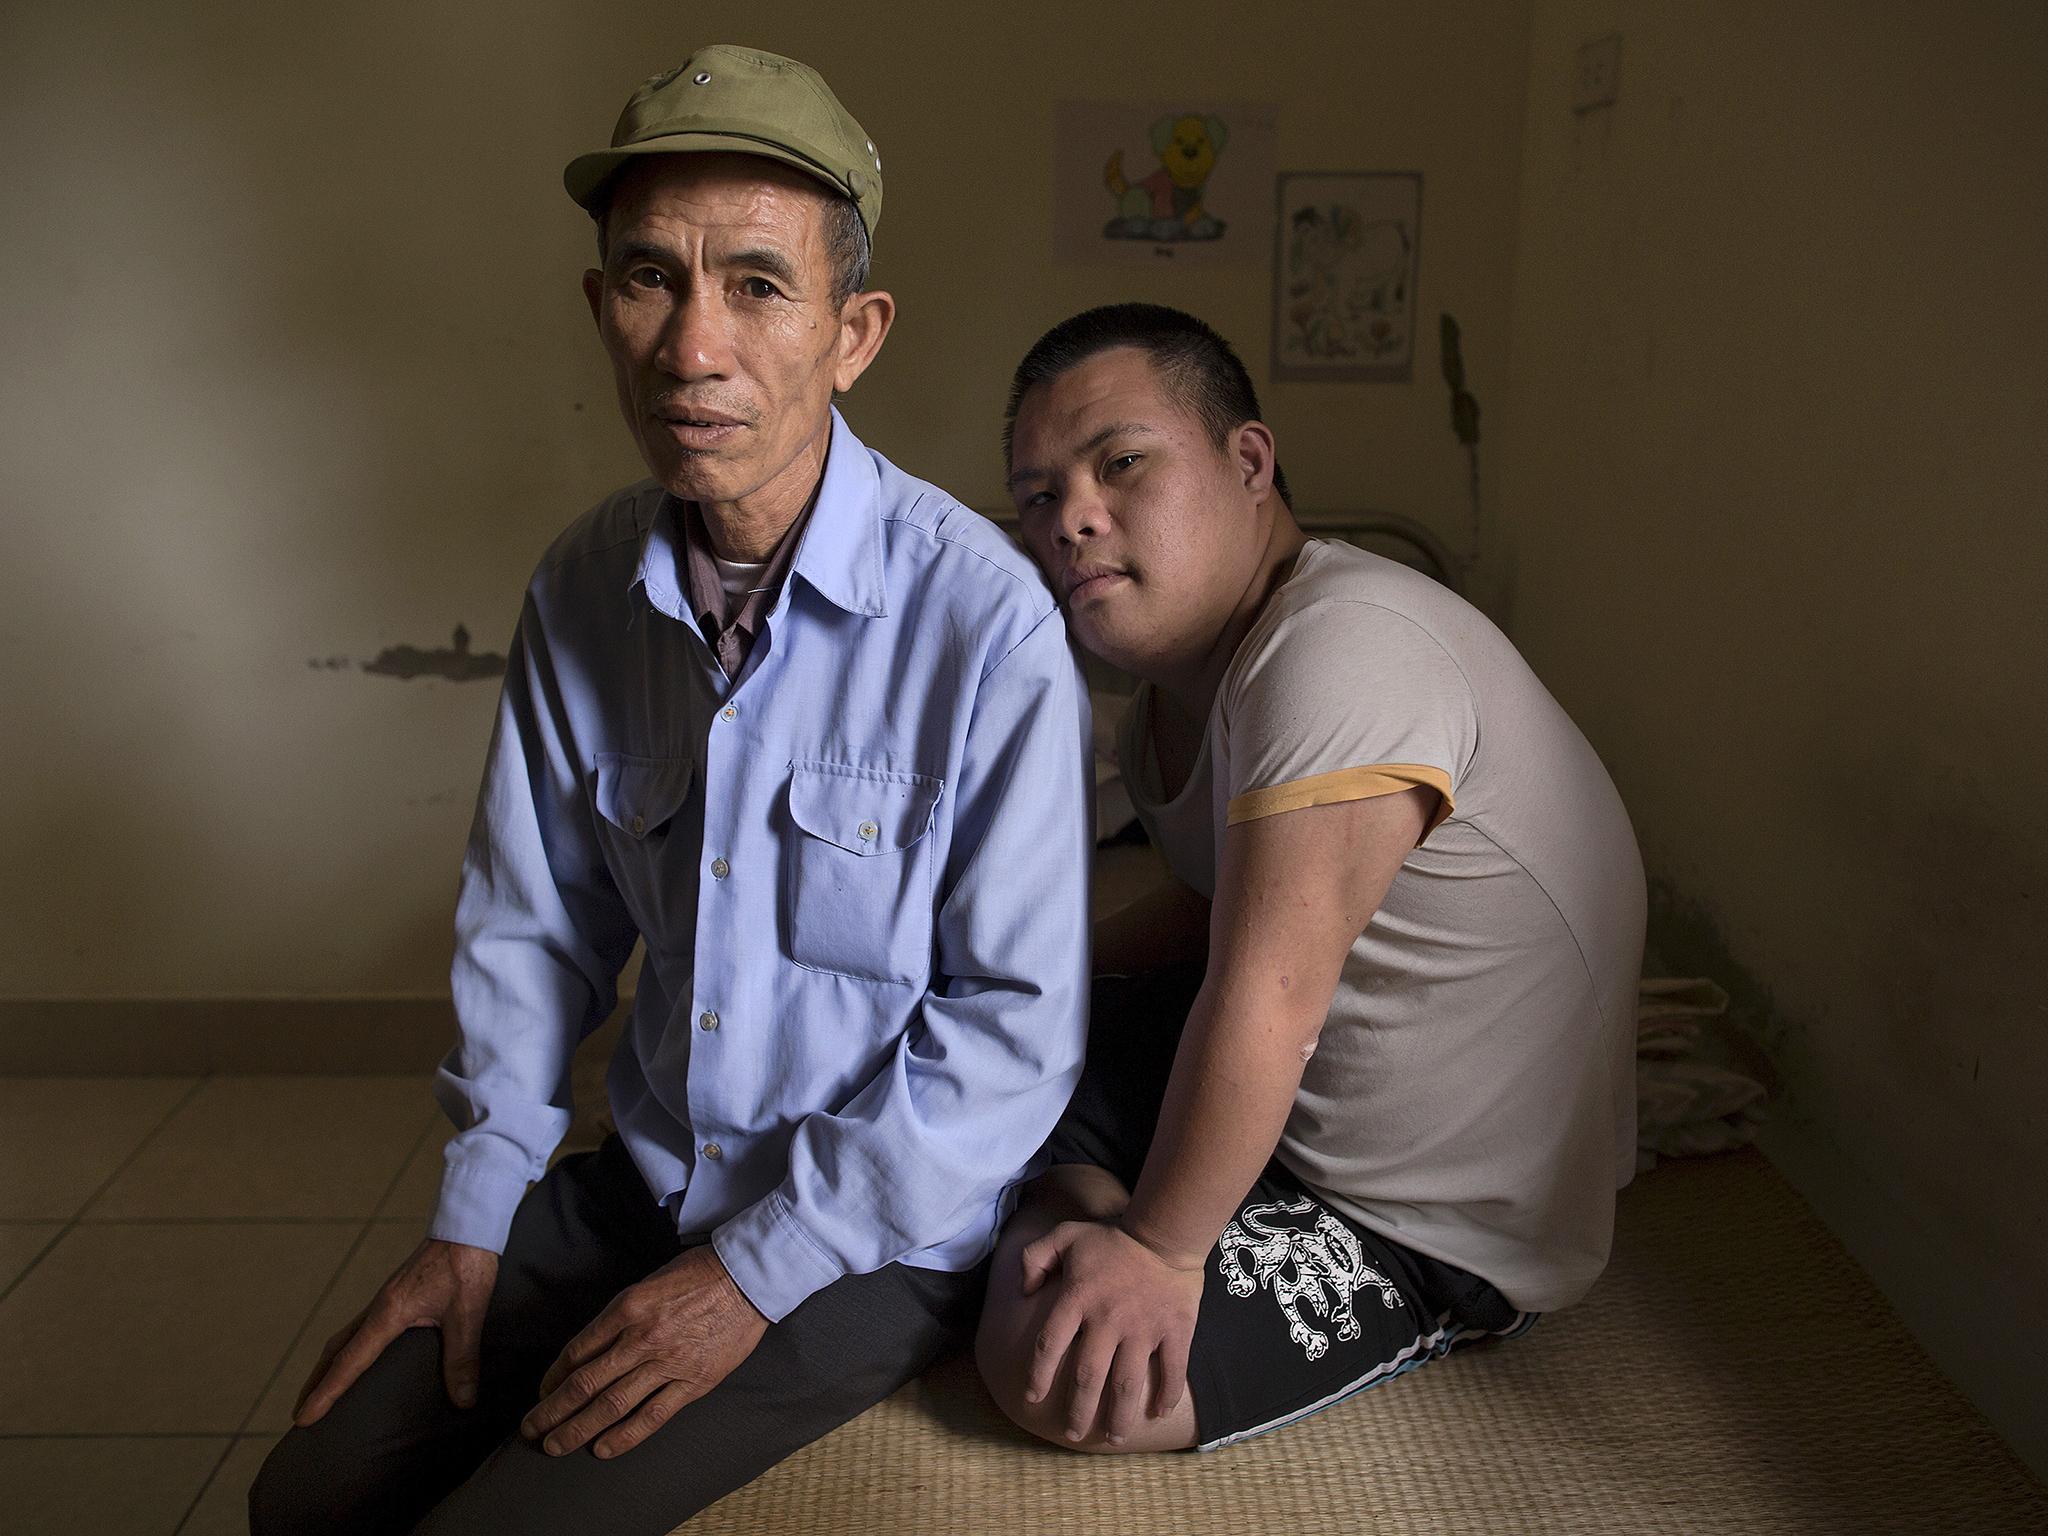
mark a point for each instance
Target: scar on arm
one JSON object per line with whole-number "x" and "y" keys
{"x": 1308, "y": 1048}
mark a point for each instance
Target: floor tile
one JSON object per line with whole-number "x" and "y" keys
{"x": 20, "y": 1243}
{"x": 224, "y": 1507}
{"x": 66, "y": 1487}
{"x": 383, "y": 1249}
{"x": 61, "y": 1136}
{"x": 412, "y": 1198}
{"x": 175, "y": 1329}
{"x": 320, "y": 1147}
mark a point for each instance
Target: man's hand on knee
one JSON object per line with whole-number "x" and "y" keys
{"x": 1117, "y": 1334}
{"x": 661, "y": 1344}
{"x": 443, "y": 1285}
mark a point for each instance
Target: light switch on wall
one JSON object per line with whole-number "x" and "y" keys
{"x": 1597, "y": 81}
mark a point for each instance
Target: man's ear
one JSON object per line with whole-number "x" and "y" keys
{"x": 1255, "y": 454}
{"x": 864, "y": 323}
{"x": 593, "y": 292}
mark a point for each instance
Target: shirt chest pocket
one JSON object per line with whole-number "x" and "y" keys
{"x": 641, "y": 802}
{"x": 859, "y": 875}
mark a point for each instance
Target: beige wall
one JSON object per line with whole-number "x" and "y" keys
{"x": 1777, "y": 477}
{"x": 297, "y": 368}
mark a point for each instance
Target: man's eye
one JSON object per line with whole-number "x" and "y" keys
{"x": 1121, "y": 462}
{"x": 759, "y": 288}
{"x": 647, "y": 277}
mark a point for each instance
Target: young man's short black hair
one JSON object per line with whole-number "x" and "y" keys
{"x": 1198, "y": 366}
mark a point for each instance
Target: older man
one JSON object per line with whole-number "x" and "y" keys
{"x": 813, "y": 733}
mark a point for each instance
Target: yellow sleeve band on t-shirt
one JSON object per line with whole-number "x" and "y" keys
{"x": 1345, "y": 784}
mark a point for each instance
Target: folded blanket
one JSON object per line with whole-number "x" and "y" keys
{"x": 1687, "y": 1105}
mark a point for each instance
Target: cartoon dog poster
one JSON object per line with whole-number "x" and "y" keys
{"x": 1158, "y": 182}
{"x": 1344, "y": 268}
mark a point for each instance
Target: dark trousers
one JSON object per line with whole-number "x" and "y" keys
{"x": 394, "y": 1455}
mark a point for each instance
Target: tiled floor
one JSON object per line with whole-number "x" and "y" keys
{"x": 173, "y": 1253}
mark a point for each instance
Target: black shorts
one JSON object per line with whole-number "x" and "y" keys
{"x": 1301, "y": 1306}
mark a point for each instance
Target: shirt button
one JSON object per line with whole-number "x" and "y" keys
{"x": 731, "y": 711}
{"x": 639, "y": 825}
{"x": 713, "y": 1151}
{"x": 868, "y": 830}
{"x": 720, "y": 869}
{"x": 707, "y": 1020}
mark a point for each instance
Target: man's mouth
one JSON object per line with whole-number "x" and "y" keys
{"x": 699, "y": 428}
{"x": 1086, "y": 581}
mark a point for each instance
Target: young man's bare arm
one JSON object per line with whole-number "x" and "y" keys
{"x": 1293, "y": 893}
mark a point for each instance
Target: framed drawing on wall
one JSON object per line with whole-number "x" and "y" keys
{"x": 1345, "y": 260}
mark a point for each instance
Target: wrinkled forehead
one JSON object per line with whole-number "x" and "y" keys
{"x": 719, "y": 192}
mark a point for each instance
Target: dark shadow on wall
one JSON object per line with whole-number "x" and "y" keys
{"x": 455, "y": 661}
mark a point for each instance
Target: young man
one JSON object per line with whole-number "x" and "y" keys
{"x": 1414, "y": 908}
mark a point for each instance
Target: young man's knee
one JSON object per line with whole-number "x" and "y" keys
{"x": 1005, "y": 1347}
{"x": 1005, "y": 1373}
{"x": 1009, "y": 1322}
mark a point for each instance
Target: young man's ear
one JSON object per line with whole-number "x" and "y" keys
{"x": 1256, "y": 456}
{"x": 864, "y": 323}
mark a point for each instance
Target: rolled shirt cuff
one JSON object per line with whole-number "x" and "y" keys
{"x": 775, "y": 1263}
{"x": 479, "y": 1195}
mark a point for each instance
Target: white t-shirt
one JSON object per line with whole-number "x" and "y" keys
{"x": 1473, "y": 1093}
{"x": 737, "y": 579}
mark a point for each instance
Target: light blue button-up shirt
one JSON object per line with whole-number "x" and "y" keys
{"x": 860, "y": 869}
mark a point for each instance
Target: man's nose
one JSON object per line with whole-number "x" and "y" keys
{"x": 1082, "y": 516}
{"x": 696, "y": 344}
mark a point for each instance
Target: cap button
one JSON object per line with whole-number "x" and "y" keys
{"x": 703, "y": 78}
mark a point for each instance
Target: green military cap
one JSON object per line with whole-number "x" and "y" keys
{"x": 740, "y": 101}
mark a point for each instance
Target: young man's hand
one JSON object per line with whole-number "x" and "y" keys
{"x": 1121, "y": 1327}
{"x": 662, "y": 1343}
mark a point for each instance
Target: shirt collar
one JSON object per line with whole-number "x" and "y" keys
{"x": 839, "y": 545}
{"x": 841, "y": 551}
{"x": 707, "y": 592}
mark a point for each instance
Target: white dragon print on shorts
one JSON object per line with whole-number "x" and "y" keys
{"x": 1321, "y": 1264}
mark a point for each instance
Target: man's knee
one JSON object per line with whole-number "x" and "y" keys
{"x": 1007, "y": 1341}
{"x": 1006, "y": 1374}
{"x": 304, "y": 1489}
{"x": 387, "y": 1450}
